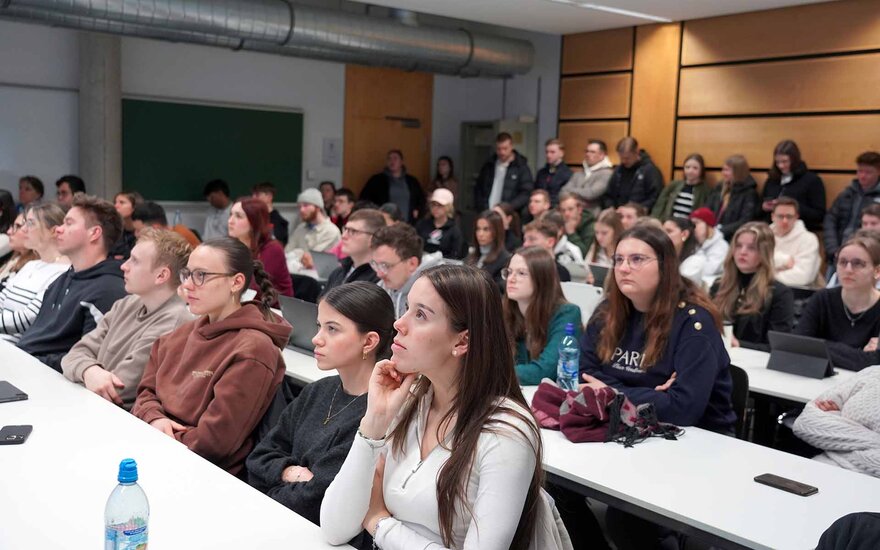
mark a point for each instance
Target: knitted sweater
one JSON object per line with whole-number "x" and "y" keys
{"x": 803, "y": 247}
{"x": 850, "y": 437}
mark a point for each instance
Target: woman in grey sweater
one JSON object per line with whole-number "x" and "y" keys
{"x": 296, "y": 461}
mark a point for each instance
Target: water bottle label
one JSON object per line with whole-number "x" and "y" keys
{"x": 128, "y": 536}
{"x": 567, "y": 375}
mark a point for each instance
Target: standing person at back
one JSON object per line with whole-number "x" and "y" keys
{"x": 67, "y": 187}
{"x": 395, "y": 185}
{"x": 216, "y": 192}
{"x": 445, "y": 176}
{"x": 797, "y": 257}
{"x": 555, "y": 174}
{"x": 636, "y": 179}
{"x": 356, "y": 237}
{"x": 789, "y": 177}
{"x": 592, "y": 184}
{"x": 505, "y": 177}
{"x": 110, "y": 360}
{"x": 75, "y": 303}
{"x": 844, "y": 216}
{"x": 280, "y": 227}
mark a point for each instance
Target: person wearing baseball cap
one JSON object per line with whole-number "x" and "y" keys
{"x": 710, "y": 241}
{"x": 439, "y": 230}
{"x": 315, "y": 232}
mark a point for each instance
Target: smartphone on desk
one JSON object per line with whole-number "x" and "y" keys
{"x": 14, "y": 435}
{"x": 788, "y": 485}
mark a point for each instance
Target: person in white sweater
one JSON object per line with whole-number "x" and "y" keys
{"x": 22, "y": 297}
{"x": 844, "y": 422}
{"x": 797, "y": 257}
{"x": 711, "y": 244}
{"x": 447, "y": 453}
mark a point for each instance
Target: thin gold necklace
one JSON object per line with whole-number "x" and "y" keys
{"x": 333, "y": 400}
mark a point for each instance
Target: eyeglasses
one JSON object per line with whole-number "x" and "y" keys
{"x": 507, "y": 273}
{"x": 383, "y": 267}
{"x": 199, "y": 277}
{"x": 354, "y": 232}
{"x": 784, "y": 216}
{"x": 16, "y": 227}
{"x": 856, "y": 264}
{"x": 635, "y": 261}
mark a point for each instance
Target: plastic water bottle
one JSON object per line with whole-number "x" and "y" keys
{"x": 569, "y": 360}
{"x": 178, "y": 217}
{"x": 127, "y": 512}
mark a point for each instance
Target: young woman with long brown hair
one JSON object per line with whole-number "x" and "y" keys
{"x": 536, "y": 314}
{"x": 448, "y": 454}
{"x": 249, "y": 223}
{"x": 490, "y": 254}
{"x": 605, "y": 232}
{"x": 747, "y": 293}
{"x": 734, "y": 201}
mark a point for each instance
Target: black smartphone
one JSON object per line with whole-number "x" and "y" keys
{"x": 789, "y": 485}
{"x": 8, "y": 392}
{"x": 14, "y": 435}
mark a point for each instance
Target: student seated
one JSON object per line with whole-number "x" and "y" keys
{"x": 315, "y": 232}
{"x": 578, "y": 221}
{"x": 842, "y": 219}
{"x": 249, "y": 223}
{"x": 265, "y": 192}
{"x": 8, "y": 212}
{"x": 208, "y": 383}
{"x": 296, "y": 461}
{"x": 20, "y": 254}
{"x": 747, "y": 294}
{"x": 734, "y": 201}
{"x": 848, "y": 316}
{"x": 690, "y": 264}
{"x": 545, "y": 234}
{"x": 539, "y": 202}
{"x": 216, "y": 192}
{"x": 797, "y": 259}
{"x": 512, "y": 225}
{"x": 630, "y": 213}
{"x": 389, "y": 210}
{"x": 343, "y": 206}
{"x": 30, "y": 190}
{"x": 536, "y": 314}
{"x": 76, "y": 301}
{"x": 681, "y": 197}
{"x": 605, "y": 232}
{"x": 566, "y": 252}
{"x": 440, "y": 231}
{"x": 490, "y": 254}
{"x": 711, "y": 244}
{"x": 67, "y": 187}
{"x": 789, "y": 177}
{"x": 397, "y": 260}
{"x": 447, "y": 427}
{"x": 110, "y": 360}
{"x": 356, "y": 237}
{"x": 151, "y": 214}
{"x": 22, "y": 295}
{"x": 125, "y": 203}
{"x": 843, "y": 422}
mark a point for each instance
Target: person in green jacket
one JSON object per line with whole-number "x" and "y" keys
{"x": 681, "y": 197}
{"x": 578, "y": 222}
{"x": 536, "y": 313}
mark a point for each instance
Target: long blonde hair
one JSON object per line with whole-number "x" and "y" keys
{"x": 733, "y": 300}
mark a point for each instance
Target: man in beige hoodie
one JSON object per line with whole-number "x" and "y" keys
{"x": 110, "y": 360}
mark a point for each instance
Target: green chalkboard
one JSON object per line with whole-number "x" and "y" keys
{"x": 170, "y": 150}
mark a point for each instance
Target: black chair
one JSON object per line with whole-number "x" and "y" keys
{"x": 740, "y": 400}
{"x": 802, "y": 295}
{"x": 306, "y": 288}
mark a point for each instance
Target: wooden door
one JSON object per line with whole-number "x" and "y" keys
{"x": 386, "y": 109}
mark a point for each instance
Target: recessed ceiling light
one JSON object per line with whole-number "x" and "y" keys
{"x": 610, "y": 9}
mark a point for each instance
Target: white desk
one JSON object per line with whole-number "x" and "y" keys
{"x": 56, "y": 484}
{"x": 781, "y": 384}
{"x": 705, "y": 481}
{"x": 302, "y": 367}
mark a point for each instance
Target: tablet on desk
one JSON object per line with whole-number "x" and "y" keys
{"x": 8, "y": 393}
{"x": 801, "y": 355}
{"x": 599, "y": 273}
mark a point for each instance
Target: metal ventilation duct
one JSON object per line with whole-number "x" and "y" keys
{"x": 276, "y": 26}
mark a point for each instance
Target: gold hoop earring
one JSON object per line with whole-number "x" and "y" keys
{"x": 364, "y": 357}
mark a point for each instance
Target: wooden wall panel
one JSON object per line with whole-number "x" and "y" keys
{"x": 576, "y": 134}
{"x": 843, "y": 26}
{"x": 601, "y": 51}
{"x": 834, "y": 183}
{"x": 655, "y": 79}
{"x": 848, "y": 83}
{"x": 829, "y": 142}
{"x": 603, "y": 96}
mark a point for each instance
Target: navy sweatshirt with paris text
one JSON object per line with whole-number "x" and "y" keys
{"x": 700, "y": 394}
{"x": 72, "y": 306}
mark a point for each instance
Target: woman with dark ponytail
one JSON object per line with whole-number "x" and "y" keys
{"x": 300, "y": 456}
{"x": 208, "y": 383}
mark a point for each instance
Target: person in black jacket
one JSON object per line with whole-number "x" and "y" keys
{"x": 636, "y": 179}
{"x": 395, "y": 185}
{"x": 440, "y": 231}
{"x": 356, "y": 237}
{"x": 844, "y": 217}
{"x": 555, "y": 174}
{"x": 789, "y": 177}
{"x": 265, "y": 191}
{"x": 504, "y": 178}
{"x": 747, "y": 294}
{"x": 734, "y": 201}
{"x": 490, "y": 254}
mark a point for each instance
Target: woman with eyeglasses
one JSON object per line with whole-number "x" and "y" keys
{"x": 439, "y": 230}
{"x": 490, "y": 255}
{"x": 536, "y": 313}
{"x": 208, "y": 383}
{"x": 748, "y": 295}
{"x": 20, "y": 255}
{"x": 249, "y": 223}
{"x": 848, "y": 317}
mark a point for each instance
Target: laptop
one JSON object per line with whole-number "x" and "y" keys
{"x": 303, "y": 317}
{"x": 801, "y": 355}
{"x": 324, "y": 264}
{"x": 599, "y": 273}
{"x": 8, "y": 393}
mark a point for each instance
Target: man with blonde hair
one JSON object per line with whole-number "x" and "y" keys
{"x": 110, "y": 360}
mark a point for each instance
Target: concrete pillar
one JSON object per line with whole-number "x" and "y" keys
{"x": 100, "y": 114}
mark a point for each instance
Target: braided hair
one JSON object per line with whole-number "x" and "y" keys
{"x": 239, "y": 260}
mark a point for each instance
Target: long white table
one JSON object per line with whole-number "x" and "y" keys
{"x": 704, "y": 483}
{"x": 55, "y": 485}
{"x": 302, "y": 368}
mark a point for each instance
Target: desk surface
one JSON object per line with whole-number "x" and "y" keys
{"x": 302, "y": 367}
{"x": 56, "y": 484}
{"x": 705, "y": 480}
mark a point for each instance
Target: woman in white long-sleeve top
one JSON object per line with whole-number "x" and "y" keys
{"x": 443, "y": 455}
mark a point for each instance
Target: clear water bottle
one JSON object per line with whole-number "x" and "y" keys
{"x": 178, "y": 217}
{"x": 127, "y": 512}
{"x": 569, "y": 360}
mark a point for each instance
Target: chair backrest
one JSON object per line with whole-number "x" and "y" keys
{"x": 739, "y": 397}
{"x": 587, "y": 297}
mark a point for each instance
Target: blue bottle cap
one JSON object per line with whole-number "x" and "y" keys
{"x": 128, "y": 471}
{"x": 569, "y": 329}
